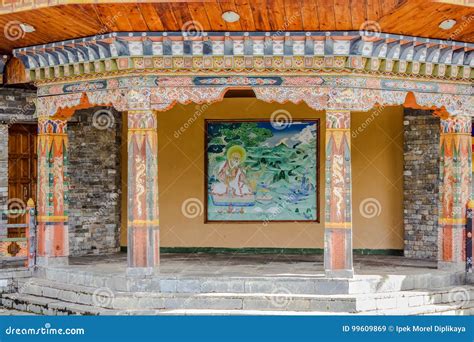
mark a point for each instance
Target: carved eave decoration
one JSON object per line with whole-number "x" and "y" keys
{"x": 304, "y": 52}
{"x": 327, "y": 70}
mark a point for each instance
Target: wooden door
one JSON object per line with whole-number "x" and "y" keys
{"x": 22, "y": 171}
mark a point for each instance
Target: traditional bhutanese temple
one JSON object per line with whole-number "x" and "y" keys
{"x": 333, "y": 138}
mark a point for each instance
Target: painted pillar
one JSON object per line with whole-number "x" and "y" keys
{"x": 143, "y": 225}
{"x": 338, "y": 199}
{"x": 52, "y": 231}
{"x": 455, "y": 191}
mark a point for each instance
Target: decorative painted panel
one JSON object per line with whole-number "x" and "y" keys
{"x": 338, "y": 199}
{"x": 52, "y": 189}
{"x": 143, "y": 224}
{"x": 262, "y": 170}
{"x": 455, "y": 189}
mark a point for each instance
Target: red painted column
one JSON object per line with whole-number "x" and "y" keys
{"x": 455, "y": 191}
{"x": 52, "y": 232}
{"x": 338, "y": 199}
{"x": 143, "y": 225}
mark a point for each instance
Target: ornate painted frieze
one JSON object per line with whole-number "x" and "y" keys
{"x": 332, "y": 81}
{"x": 136, "y": 94}
{"x": 249, "y": 52}
{"x": 49, "y": 106}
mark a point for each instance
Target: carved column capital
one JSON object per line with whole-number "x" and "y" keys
{"x": 456, "y": 125}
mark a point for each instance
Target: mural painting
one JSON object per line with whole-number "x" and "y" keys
{"x": 262, "y": 170}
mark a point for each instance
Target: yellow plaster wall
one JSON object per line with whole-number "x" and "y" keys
{"x": 377, "y": 176}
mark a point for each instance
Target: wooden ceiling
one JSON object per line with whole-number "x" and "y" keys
{"x": 407, "y": 17}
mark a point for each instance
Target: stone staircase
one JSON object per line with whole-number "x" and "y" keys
{"x": 53, "y": 297}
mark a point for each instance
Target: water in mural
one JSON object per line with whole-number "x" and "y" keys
{"x": 262, "y": 171}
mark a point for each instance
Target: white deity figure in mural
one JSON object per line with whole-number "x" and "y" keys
{"x": 233, "y": 188}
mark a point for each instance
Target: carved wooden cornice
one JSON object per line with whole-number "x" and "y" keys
{"x": 241, "y": 52}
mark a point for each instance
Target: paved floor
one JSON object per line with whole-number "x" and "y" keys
{"x": 255, "y": 265}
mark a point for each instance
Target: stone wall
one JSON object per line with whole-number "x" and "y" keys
{"x": 421, "y": 173}
{"x": 16, "y": 105}
{"x": 95, "y": 182}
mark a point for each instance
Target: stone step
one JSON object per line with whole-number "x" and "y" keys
{"x": 103, "y": 297}
{"x": 426, "y": 310}
{"x": 360, "y": 284}
{"x": 12, "y": 312}
{"x": 280, "y": 301}
{"x": 8, "y": 275}
{"x": 47, "y": 306}
{"x": 17, "y": 304}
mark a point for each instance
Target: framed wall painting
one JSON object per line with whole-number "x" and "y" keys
{"x": 262, "y": 171}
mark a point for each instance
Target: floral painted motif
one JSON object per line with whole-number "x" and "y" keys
{"x": 454, "y": 104}
{"x": 237, "y": 80}
{"x": 49, "y": 106}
